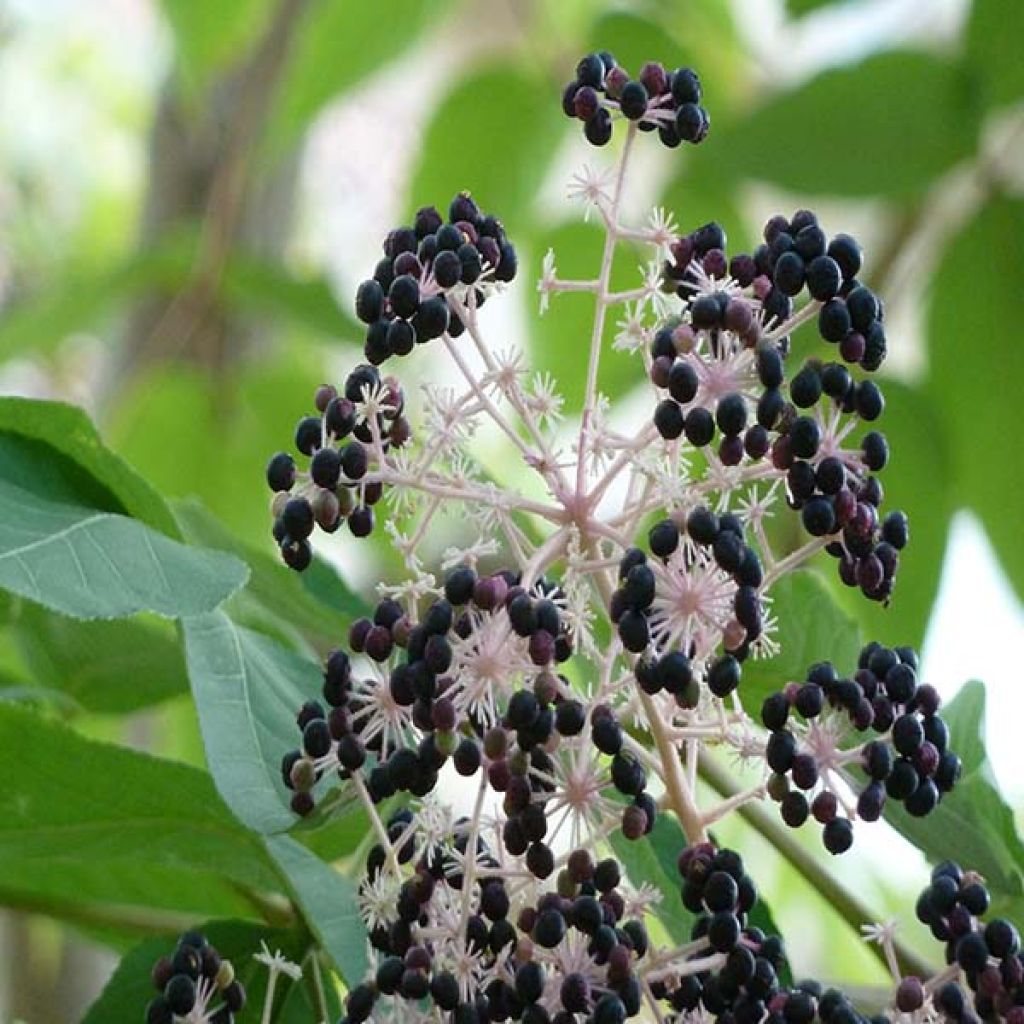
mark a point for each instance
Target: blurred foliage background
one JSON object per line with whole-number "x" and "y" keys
{"x": 191, "y": 189}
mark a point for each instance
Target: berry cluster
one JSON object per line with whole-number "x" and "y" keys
{"x": 702, "y": 585}
{"x": 352, "y": 431}
{"x": 742, "y": 979}
{"x": 194, "y": 984}
{"x": 987, "y": 954}
{"x": 724, "y": 372}
{"x": 666, "y": 101}
{"x": 455, "y": 683}
{"x": 809, "y": 721}
{"x": 406, "y": 300}
{"x": 796, "y": 256}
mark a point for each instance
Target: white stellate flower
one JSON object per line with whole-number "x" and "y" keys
{"x": 548, "y": 280}
{"x": 602, "y": 442}
{"x": 277, "y": 962}
{"x": 509, "y": 368}
{"x": 543, "y": 399}
{"x": 693, "y": 602}
{"x": 575, "y": 801}
{"x": 487, "y": 665}
{"x": 471, "y": 555}
{"x": 755, "y": 507}
{"x": 378, "y": 899}
{"x": 640, "y": 900}
{"x": 631, "y": 334}
{"x": 376, "y": 400}
{"x": 449, "y": 422}
{"x": 663, "y": 227}
{"x": 590, "y": 187}
{"x": 377, "y": 713}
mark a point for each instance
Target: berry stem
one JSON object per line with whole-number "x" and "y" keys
{"x": 730, "y": 804}
{"x": 378, "y": 825}
{"x": 600, "y": 309}
{"x": 316, "y": 985}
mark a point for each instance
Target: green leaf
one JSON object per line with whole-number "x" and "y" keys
{"x": 976, "y": 371}
{"x": 973, "y": 824}
{"x": 560, "y": 341}
{"x": 919, "y": 441}
{"x": 336, "y": 46}
{"x": 317, "y": 602}
{"x": 130, "y": 988}
{"x": 812, "y": 627}
{"x": 34, "y": 431}
{"x": 994, "y": 31}
{"x": 509, "y": 156}
{"x": 99, "y": 833}
{"x": 327, "y": 901}
{"x": 106, "y": 667}
{"x": 247, "y": 690}
{"x": 887, "y": 126}
{"x": 92, "y": 564}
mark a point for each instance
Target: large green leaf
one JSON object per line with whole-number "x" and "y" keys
{"x": 811, "y": 627}
{"x": 92, "y": 564}
{"x": 976, "y": 372}
{"x": 327, "y": 902}
{"x": 886, "y": 126}
{"x": 99, "y": 833}
{"x": 53, "y": 449}
{"x": 994, "y": 31}
{"x": 514, "y": 120}
{"x": 919, "y": 442}
{"x": 973, "y": 824}
{"x": 337, "y": 45}
{"x": 103, "y": 666}
{"x": 130, "y": 988}
{"x": 317, "y": 603}
{"x": 247, "y": 690}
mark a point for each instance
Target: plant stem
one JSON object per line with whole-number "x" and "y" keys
{"x": 315, "y": 982}
{"x": 845, "y": 903}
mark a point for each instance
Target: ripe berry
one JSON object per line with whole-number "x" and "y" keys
{"x": 683, "y": 382}
{"x": 633, "y": 101}
{"x": 699, "y": 427}
{"x": 838, "y": 835}
{"x": 731, "y": 414}
{"x": 404, "y": 295}
{"x": 598, "y": 129}
{"x": 824, "y": 278}
{"x": 281, "y": 472}
{"x": 668, "y": 419}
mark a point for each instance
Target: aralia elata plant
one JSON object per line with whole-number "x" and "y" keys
{"x": 577, "y": 653}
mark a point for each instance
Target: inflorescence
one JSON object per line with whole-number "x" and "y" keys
{"x": 583, "y": 646}
{"x": 195, "y": 985}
